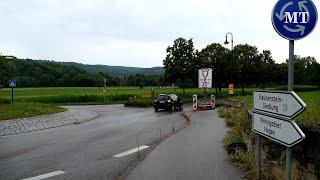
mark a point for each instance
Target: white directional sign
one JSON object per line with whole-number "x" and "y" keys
{"x": 284, "y": 132}
{"x": 282, "y": 104}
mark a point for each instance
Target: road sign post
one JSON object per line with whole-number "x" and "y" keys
{"x": 12, "y": 84}
{"x": 290, "y": 88}
{"x": 272, "y": 118}
{"x": 293, "y": 20}
{"x": 258, "y": 155}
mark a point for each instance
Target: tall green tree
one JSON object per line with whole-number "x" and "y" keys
{"x": 7, "y": 70}
{"x": 215, "y": 56}
{"x": 305, "y": 70}
{"x": 267, "y": 68}
{"x": 248, "y": 61}
{"x": 179, "y": 63}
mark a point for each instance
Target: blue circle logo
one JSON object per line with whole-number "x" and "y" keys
{"x": 294, "y": 19}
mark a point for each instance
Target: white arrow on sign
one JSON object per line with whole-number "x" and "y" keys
{"x": 286, "y": 105}
{"x": 284, "y": 132}
{"x": 12, "y": 83}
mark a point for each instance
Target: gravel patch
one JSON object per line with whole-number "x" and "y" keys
{"x": 17, "y": 126}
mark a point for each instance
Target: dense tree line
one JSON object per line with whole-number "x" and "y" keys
{"x": 115, "y": 70}
{"x": 244, "y": 65}
{"x": 35, "y": 73}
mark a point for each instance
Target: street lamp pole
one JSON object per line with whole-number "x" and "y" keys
{"x": 227, "y": 42}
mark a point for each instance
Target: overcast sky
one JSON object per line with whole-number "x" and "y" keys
{"x": 137, "y": 32}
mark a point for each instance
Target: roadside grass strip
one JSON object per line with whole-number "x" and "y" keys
{"x": 140, "y": 148}
{"x": 44, "y": 176}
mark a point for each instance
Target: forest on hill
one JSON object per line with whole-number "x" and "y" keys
{"x": 115, "y": 70}
{"x": 43, "y": 73}
{"x": 243, "y": 66}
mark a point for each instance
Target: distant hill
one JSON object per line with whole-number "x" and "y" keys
{"x": 44, "y": 73}
{"x": 115, "y": 70}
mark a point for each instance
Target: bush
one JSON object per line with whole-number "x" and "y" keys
{"x": 133, "y": 101}
{"x": 4, "y": 101}
{"x": 299, "y": 88}
{"x": 78, "y": 98}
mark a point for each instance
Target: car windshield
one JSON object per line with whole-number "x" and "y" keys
{"x": 162, "y": 97}
{"x": 173, "y": 96}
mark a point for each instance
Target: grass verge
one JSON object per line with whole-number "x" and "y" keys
{"x": 23, "y": 110}
{"x": 236, "y": 120}
{"x": 272, "y": 156}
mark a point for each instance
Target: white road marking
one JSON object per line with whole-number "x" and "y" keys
{"x": 44, "y": 176}
{"x": 140, "y": 148}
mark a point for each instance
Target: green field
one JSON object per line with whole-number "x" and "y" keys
{"x": 96, "y": 95}
{"x": 74, "y": 95}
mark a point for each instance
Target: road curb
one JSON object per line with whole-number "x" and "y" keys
{"x": 24, "y": 125}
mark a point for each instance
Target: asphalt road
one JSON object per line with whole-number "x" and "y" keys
{"x": 86, "y": 150}
{"x": 193, "y": 153}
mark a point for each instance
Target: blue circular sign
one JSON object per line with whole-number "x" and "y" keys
{"x": 294, "y": 19}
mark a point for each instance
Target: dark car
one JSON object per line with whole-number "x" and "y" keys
{"x": 168, "y": 102}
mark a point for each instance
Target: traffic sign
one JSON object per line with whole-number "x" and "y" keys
{"x": 205, "y": 78}
{"x": 231, "y": 89}
{"x": 286, "y": 105}
{"x": 284, "y": 132}
{"x": 294, "y": 19}
{"x": 12, "y": 83}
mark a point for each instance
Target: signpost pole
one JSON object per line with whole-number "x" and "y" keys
{"x": 12, "y": 94}
{"x": 291, "y": 66}
{"x": 290, "y": 88}
{"x": 284, "y": 27}
{"x": 258, "y": 155}
{"x": 288, "y": 163}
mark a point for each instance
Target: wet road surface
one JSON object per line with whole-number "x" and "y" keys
{"x": 193, "y": 153}
{"x": 85, "y": 150}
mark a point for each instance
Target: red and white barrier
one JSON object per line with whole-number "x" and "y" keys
{"x": 194, "y": 102}
{"x": 213, "y": 101}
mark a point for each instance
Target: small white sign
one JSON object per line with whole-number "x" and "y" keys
{"x": 283, "y": 104}
{"x": 284, "y": 132}
{"x": 205, "y": 78}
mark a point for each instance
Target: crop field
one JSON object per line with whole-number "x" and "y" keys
{"x": 74, "y": 95}
{"x": 100, "y": 95}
